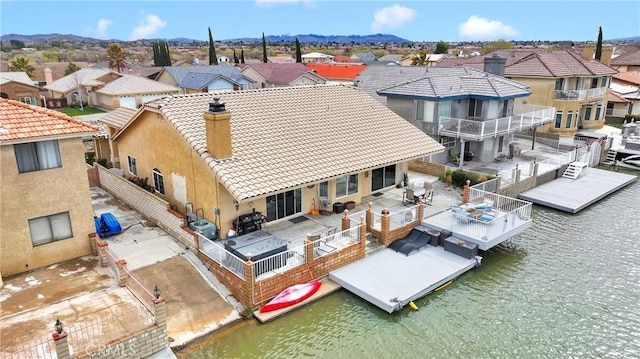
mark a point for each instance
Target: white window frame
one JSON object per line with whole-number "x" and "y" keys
{"x": 569, "y": 119}
{"x": 25, "y": 99}
{"x": 37, "y": 156}
{"x": 447, "y": 142}
{"x": 131, "y": 164}
{"x": 350, "y": 183}
{"x": 52, "y": 228}
{"x": 558, "y": 120}
{"x": 158, "y": 180}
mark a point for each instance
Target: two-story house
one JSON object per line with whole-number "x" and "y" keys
{"x": 280, "y": 151}
{"x": 624, "y": 94}
{"x": 572, "y": 82}
{"x": 45, "y": 212}
{"x": 471, "y": 111}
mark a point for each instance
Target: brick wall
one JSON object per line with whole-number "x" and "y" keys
{"x": 433, "y": 169}
{"x": 141, "y": 345}
{"x": 148, "y": 204}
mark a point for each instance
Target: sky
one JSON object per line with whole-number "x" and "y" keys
{"x": 424, "y": 20}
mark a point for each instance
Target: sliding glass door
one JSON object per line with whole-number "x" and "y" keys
{"x": 284, "y": 204}
{"x": 383, "y": 177}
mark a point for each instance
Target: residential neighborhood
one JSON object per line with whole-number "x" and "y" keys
{"x": 164, "y": 210}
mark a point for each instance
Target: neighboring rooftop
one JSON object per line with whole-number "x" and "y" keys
{"x": 336, "y": 71}
{"x": 437, "y": 85}
{"x": 180, "y": 73}
{"x": 19, "y": 121}
{"x": 86, "y": 76}
{"x": 537, "y": 62}
{"x": 331, "y": 127}
{"x": 630, "y": 58}
{"x": 132, "y": 85}
{"x": 279, "y": 73}
{"x": 632, "y": 77}
{"x": 20, "y": 77}
{"x": 118, "y": 117}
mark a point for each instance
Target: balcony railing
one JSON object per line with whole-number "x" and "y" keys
{"x": 575, "y": 95}
{"x": 479, "y": 130}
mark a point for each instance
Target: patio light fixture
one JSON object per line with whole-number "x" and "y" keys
{"x": 58, "y": 326}
{"x": 156, "y": 292}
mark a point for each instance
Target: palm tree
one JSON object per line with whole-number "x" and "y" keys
{"x": 420, "y": 59}
{"x": 116, "y": 57}
{"x": 21, "y": 64}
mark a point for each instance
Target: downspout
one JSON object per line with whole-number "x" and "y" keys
{"x": 461, "y": 156}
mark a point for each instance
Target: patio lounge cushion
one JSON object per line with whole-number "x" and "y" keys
{"x": 486, "y": 217}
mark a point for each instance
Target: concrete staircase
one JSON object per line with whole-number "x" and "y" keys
{"x": 575, "y": 170}
{"x": 611, "y": 157}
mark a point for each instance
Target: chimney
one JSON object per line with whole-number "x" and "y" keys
{"x": 48, "y": 76}
{"x": 218, "y": 130}
{"x": 495, "y": 64}
{"x": 605, "y": 57}
{"x": 588, "y": 51}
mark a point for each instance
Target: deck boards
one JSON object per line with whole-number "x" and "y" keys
{"x": 398, "y": 276}
{"x": 573, "y": 195}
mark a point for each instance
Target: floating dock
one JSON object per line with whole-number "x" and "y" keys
{"x": 573, "y": 195}
{"x": 391, "y": 280}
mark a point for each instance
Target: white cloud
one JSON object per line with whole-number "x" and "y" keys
{"x": 148, "y": 26}
{"x": 270, "y": 3}
{"x": 479, "y": 28}
{"x": 392, "y": 17}
{"x": 101, "y": 29}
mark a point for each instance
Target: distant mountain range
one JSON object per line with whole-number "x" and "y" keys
{"x": 375, "y": 38}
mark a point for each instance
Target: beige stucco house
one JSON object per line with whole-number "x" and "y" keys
{"x": 18, "y": 86}
{"x": 79, "y": 86}
{"x": 280, "y": 74}
{"x": 131, "y": 92}
{"x": 45, "y": 211}
{"x": 279, "y": 151}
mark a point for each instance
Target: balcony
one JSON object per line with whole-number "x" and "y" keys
{"x": 479, "y": 130}
{"x": 577, "y": 95}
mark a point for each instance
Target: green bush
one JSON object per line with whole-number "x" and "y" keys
{"x": 628, "y": 118}
{"x": 102, "y": 162}
{"x": 460, "y": 177}
{"x": 89, "y": 157}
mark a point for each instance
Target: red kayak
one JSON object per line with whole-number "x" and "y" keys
{"x": 292, "y": 295}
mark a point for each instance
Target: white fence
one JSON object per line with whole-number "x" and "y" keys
{"x": 216, "y": 252}
{"x": 279, "y": 262}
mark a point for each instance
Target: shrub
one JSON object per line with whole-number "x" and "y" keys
{"x": 102, "y": 162}
{"x": 459, "y": 178}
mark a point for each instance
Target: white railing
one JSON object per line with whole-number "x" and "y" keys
{"x": 574, "y": 95}
{"x": 479, "y": 130}
{"x": 336, "y": 242}
{"x": 402, "y": 217}
{"x": 216, "y": 252}
{"x": 279, "y": 262}
{"x": 487, "y": 186}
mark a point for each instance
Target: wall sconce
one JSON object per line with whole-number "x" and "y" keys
{"x": 236, "y": 204}
{"x": 156, "y": 292}
{"x": 58, "y": 326}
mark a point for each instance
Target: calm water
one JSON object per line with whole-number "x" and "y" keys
{"x": 567, "y": 287}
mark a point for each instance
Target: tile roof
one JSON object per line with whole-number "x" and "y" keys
{"x": 198, "y": 81}
{"x": 19, "y": 121}
{"x": 134, "y": 85}
{"x": 278, "y": 73}
{"x": 336, "y": 71}
{"x": 365, "y": 56}
{"x": 283, "y": 59}
{"x": 375, "y": 78}
{"x": 537, "y": 63}
{"x": 286, "y": 137}
{"x": 20, "y": 77}
{"x": 343, "y": 58}
{"x": 616, "y": 97}
{"x": 179, "y": 73}
{"x": 441, "y": 85}
{"x": 632, "y": 77}
{"x": 84, "y": 76}
{"x": 630, "y": 58}
{"x": 118, "y": 117}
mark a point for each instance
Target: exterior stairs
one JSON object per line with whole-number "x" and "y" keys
{"x": 575, "y": 170}
{"x": 611, "y": 157}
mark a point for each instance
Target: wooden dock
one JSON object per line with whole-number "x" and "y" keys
{"x": 328, "y": 287}
{"x": 390, "y": 280}
{"x": 573, "y": 195}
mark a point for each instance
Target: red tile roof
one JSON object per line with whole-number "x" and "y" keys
{"x": 337, "y": 71}
{"x": 630, "y": 58}
{"x": 616, "y": 97}
{"x": 632, "y": 77}
{"x": 21, "y": 121}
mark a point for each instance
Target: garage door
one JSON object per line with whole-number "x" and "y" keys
{"x": 128, "y": 102}
{"x": 147, "y": 98}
